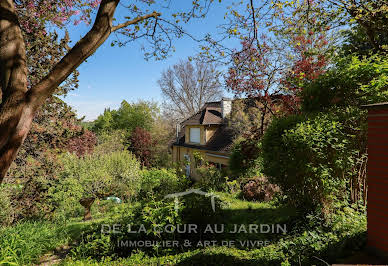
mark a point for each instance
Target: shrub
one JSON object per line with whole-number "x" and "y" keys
{"x": 82, "y": 180}
{"x": 142, "y": 146}
{"x": 28, "y": 189}
{"x": 157, "y": 183}
{"x": 82, "y": 144}
{"x": 153, "y": 215}
{"x": 198, "y": 209}
{"x": 259, "y": 189}
{"x": 312, "y": 158}
{"x": 351, "y": 82}
{"x": 245, "y": 160}
{"x": 112, "y": 141}
{"x": 210, "y": 178}
{"x": 343, "y": 237}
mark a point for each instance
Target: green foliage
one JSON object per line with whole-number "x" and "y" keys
{"x": 154, "y": 215}
{"x": 127, "y": 117}
{"x": 113, "y": 141}
{"x": 161, "y": 133}
{"x": 198, "y": 210}
{"x": 344, "y": 236}
{"x": 95, "y": 176}
{"x": 104, "y": 122}
{"x": 352, "y": 81}
{"x": 357, "y": 40}
{"x": 24, "y": 243}
{"x": 211, "y": 178}
{"x": 245, "y": 160}
{"x": 157, "y": 183}
{"x": 311, "y": 158}
{"x": 34, "y": 170}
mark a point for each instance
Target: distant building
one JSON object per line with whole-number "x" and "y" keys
{"x": 207, "y": 133}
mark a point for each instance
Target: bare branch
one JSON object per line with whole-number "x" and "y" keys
{"x": 135, "y": 21}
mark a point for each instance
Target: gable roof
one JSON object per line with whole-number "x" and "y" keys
{"x": 221, "y": 141}
{"x": 209, "y": 114}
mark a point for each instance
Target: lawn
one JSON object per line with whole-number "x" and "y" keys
{"x": 28, "y": 243}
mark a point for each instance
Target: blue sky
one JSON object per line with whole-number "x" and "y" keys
{"x": 114, "y": 74}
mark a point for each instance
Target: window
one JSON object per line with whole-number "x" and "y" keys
{"x": 195, "y": 135}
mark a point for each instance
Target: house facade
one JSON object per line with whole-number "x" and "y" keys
{"x": 207, "y": 134}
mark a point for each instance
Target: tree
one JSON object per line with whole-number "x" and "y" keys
{"x": 19, "y": 103}
{"x": 128, "y": 117}
{"x": 187, "y": 86}
{"x": 162, "y": 131}
{"x": 371, "y": 16}
{"x": 83, "y": 144}
{"x": 104, "y": 122}
{"x": 142, "y": 146}
{"x": 255, "y": 74}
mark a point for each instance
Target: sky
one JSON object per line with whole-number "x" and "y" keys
{"x": 114, "y": 74}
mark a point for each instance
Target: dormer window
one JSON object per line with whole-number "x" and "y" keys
{"x": 195, "y": 135}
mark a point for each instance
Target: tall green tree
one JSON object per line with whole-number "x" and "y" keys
{"x": 128, "y": 117}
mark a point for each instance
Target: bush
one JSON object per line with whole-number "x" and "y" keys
{"x": 94, "y": 177}
{"x": 112, "y": 141}
{"x": 345, "y": 236}
{"x": 153, "y": 215}
{"x": 351, "y": 82}
{"x": 157, "y": 183}
{"x": 198, "y": 209}
{"x": 210, "y": 178}
{"x": 259, "y": 189}
{"x": 312, "y": 158}
{"x": 245, "y": 160}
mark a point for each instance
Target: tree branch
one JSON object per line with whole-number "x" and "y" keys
{"x": 84, "y": 48}
{"x": 135, "y": 21}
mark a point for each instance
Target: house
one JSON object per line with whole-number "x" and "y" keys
{"x": 206, "y": 132}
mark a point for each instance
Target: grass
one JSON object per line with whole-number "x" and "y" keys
{"x": 26, "y": 242}
{"x": 239, "y": 211}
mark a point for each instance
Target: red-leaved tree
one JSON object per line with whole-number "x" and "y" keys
{"x": 83, "y": 144}
{"x": 255, "y": 73}
{"x": 142, "y": 146}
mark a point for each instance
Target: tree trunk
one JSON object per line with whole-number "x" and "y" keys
{"x": 18, "y": 105}
{"x": 15, "y": 112}
{"x": 87, "y": 204}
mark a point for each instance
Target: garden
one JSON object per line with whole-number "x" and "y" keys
{"x": 106, "y": 191}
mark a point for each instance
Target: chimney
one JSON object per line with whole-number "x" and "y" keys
{"x": 226, "y": 107}
{"x": 178, "y": 130}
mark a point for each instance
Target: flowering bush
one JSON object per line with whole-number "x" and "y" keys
{"x": 259, "y": 189}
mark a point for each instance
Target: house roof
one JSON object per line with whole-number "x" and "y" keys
{"x": 209, "y": 114}
{"x": 221, "y": 141}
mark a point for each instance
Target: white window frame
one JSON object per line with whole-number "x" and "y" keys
{"x": 197, "y": 135}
